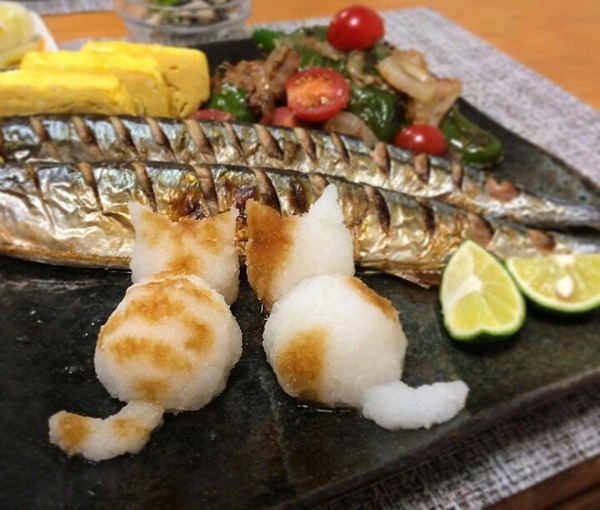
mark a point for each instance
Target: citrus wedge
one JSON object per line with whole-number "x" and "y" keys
{"x": 562, "y": 283}
{"x": 479, "y": 298}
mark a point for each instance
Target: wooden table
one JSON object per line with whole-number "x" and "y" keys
{"x": 558, "y": 39}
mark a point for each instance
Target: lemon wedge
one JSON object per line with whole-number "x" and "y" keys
{"x": 479, "y": 298}
{"x": 562, "y": 283}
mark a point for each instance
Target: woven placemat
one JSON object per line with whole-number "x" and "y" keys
{"x": 535, "y": 445}
{"x": 48, "y": 7}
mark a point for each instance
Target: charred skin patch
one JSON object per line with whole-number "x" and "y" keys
{"x": 302, "y": 361}
{"x": 73, "y": 431}
{"x": 298, "y": 197}
{"x": 479, "y": 230}
{"x": 542, "y": 241}
{"x": 188, "y": 205}
{"x": 502, "y": 191}
{"x": 370, "y": 296}
{"x": 271, "y": 239}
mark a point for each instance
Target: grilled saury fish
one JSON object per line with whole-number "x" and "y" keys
{"x": 76, "y": 214}
{"x": 97, "y": 138}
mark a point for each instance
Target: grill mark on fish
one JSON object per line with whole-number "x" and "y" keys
{"x": 32, "y": 173}
{"x": 312, "y": 151}
{"x": 201, "y": 141}
{"x": 415, "y": 245}
{"x": 123, "y": 134}
{"x": 381, "y": 156}
{"x": 42, "y": 134}
{"x": 161, "y": 139}
{"x": 265, "y": 192}
{"x": 307, "y": 143}
{"x": 340, "y": 146}
{"x": 380, "y": 206}
{"x": 87, "y": 137}
{"x": 30, "y": 169}
{"x": 2, "y": 143}
{"x": 457, "y": 172}
{"x": 318, "y": 183}
{"x": 207, "y": 185}
{"x": 422, "y": 167}
{"x": 145, "y": 183}
{"x": 298, "y": 199}
{"x": 236, "y": 144}
{"x": 87, "y": 172}
{"x": 429, "y": 217}
{"x": 268, "y": 143}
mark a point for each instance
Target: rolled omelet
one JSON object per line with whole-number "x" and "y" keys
{"x": 141, "y": 76}
{"x": 25, "y": 92}
{"x": 184, "y": 70}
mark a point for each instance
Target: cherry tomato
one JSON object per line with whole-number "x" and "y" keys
{"x": 283, "y": 116}
{"x": 355, "y": 28}
{"x": 420, "y": 138}
{"x": 317, "y": 93}
{"x": 212, "y": 114}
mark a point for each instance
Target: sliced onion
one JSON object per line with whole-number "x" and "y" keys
{"x": 347, "y": 123}
{"x": 447, "y": 91}
{"x": 356, "y": 64}
{"x": 407, "y": 72}
{"x": 323, "y": 48}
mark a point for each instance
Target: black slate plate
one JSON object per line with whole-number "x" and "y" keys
{"x": 253, "y": 447}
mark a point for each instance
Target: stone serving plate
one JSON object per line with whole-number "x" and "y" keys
{"x": 253, "y": 447}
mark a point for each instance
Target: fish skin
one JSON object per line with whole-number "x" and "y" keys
{"x": 77, "y": 215}
{"x": 95, "y": 138}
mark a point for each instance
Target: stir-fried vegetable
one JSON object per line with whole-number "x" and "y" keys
{"x": 421, "y": 138}
{"x": 473, "y": 143}
{"x": 380, "y": 110}
{"x": 390, "y": 89}
{"x": 317, "y": 93}
{"x": 233, "y": 100}
{"x": 355, "y": 28}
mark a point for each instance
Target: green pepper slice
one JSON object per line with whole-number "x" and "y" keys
{"x": 233, "y": 100}
{"x": 475, "y": 145}
{"x": 377, "y": 109}
{"x": 267, "y": 39}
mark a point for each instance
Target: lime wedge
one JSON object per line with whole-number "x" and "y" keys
{"x": 562, "y": 283}
{"x": 479, "y": 298}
